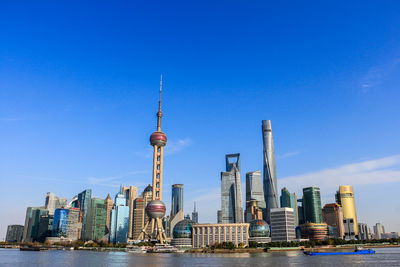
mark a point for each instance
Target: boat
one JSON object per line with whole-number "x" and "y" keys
{"x": 162, "y": 249}
{"x": 27, "y": 248}
{"x": 137, "y": 250}
{"x": 357, "y": 251}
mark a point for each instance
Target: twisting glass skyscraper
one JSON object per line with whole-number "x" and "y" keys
{"x": 270, "y": 183}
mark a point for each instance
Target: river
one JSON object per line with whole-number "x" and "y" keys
{"x": 14, "y": 257}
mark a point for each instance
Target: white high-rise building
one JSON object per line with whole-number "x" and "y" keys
{"x": 282, "y": 225}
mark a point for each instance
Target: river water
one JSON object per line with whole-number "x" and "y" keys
{"x": 13, "y": 257}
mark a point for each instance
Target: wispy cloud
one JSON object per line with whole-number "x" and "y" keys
{"x": 115, "y": 181}
{"x": 376, "y": 171}
{"x": 289, "y": 155}
{"x": 176, "y": 146}
{"x": 379, "y": 74}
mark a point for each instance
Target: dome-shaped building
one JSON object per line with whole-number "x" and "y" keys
{"x": 259, "y": 231}
{"x": 182, "y": 234}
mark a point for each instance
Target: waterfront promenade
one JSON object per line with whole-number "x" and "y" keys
{"x": 13, "y": 257}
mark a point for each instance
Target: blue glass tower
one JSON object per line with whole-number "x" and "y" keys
{"x": 84, "y": 201}
{"x": 60, "y": 223}
{"x": 119, "y": 220}
{"x": 177, "y": 199}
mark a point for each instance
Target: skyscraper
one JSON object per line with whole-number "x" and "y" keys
{"x": 177, "y": 212}
{"x": 15, "y": 233}
{"x": 253, "y": 211}
{"x": 231, "y": 192}
{"x": 32, "y": 220}
{"x": 195, "y": 214}
{"x": 139, "y": 214}
{"x": 254, "y": 188}
{"x": 270, "y": 182}
{"x": 53, "y": 202}
{"x": 282, "y": 225}
{"x": 177, "y": 199}
{"x": 333, "y": 216}
{"x": 96, "y": 219}
{"x": 109, "y": 205}
{"x": 84, "y": 201}
{"x": 130, "y": 193}
{"x": 119, "y": 227}
{"x": 74, "y": 226}
{"x": 379, "y": 230}
{"x": 289, "y": 200}
{"x": 312, "y": 205}
{"x": 156, "y": 208}
{"x": 363, "y": 231}
{"x": 345, "y": 197}
{"x": 60, "y": 223}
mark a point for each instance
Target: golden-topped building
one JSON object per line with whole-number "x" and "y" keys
{"x": 345, "y": 198}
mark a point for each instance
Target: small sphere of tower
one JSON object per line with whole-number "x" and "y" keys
{"x": 158, "y": 139}
{"x": 155, "y": 209}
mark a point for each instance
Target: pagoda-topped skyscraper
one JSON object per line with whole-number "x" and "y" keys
{"x": 156, "y": 208}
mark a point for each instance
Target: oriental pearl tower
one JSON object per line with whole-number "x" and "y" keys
{"x": 155, "y": 210}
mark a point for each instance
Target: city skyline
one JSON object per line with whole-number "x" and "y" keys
{"x": 76, "y": 114}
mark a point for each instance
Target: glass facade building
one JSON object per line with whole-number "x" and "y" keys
{"x": 14, "y": 233}
{"x": 84, "y": 201}
{"x": 231, "y": 192}
{"x": 254, "y": 188}
{"x": 177, "y": 199}
{"x": 312, "y": 205}
{"x": 289, "y": 200}
{"x": 96, "y": 219}
{"x": 60, "y": 223}
{"x": 270, "y": 182}
{"x": 119, "y": 220}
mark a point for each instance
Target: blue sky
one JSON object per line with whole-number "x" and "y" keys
{"x": 79, "y": 87}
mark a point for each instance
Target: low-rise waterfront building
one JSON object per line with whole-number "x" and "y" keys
{"x": 314, "y": 231}
{"x": 207, "y": 234}
{"x": 391, "y": 235}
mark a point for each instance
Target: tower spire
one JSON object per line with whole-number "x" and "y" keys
{"x": 159, "y": 113}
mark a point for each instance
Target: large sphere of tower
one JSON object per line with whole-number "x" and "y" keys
{"x": 158, "y": 139}
{"x": 155, "y": 209}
